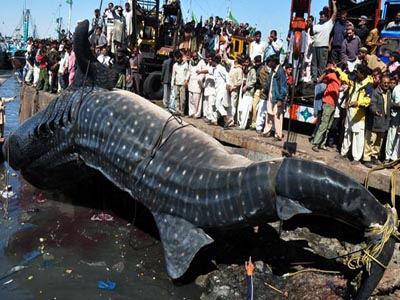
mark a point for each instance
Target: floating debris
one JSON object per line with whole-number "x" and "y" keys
{"x": 119, "y": 267}
{"x": 95, "y": 264}
{"x": 102, "y": 217}
{"x": 8, "y": 282}
{"x": 12, "y": 271}
{"x": 106, "y": 285}
{"x": 7, "y": 194}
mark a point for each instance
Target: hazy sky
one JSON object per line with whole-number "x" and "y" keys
{"x": 263, "y": 14}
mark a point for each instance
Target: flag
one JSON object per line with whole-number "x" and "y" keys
{"x": 194, "y": 18}
{"x": 231, "y": 18}
{"x": 69, "y": 2}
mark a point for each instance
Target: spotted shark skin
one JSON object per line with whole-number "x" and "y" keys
{"x": 184, "y": 177}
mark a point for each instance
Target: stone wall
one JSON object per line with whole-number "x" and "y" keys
{"x": 32, "y": 101}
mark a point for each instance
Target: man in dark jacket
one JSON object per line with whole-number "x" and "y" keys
{"x": 166, "y": 73}
{"x": 53, "y": 64}
{"x": 122, "y": 67}
{"x": 377, "y": 122}
{"x": 362, "y": 31}
{"x": 338, "y": 35}
{"x": 276, "y": 91}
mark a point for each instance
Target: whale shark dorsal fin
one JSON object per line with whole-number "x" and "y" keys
{"x": 101, "y": 75}
{"x": 286, "y": 208}
{"x": 181, "y": 241}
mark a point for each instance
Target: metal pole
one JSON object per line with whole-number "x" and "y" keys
{"x": 135, "y": 22}
{"x": 69, "y": 17}
{"x": 101, "y": 4}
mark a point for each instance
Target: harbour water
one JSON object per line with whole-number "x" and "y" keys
{"x": 56, "y": 247}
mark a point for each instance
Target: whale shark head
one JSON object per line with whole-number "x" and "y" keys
{"x": 43, "y": 144}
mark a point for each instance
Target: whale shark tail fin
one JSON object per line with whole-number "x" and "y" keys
{"x": 334, "y": 195}
{"x": 181, "y": 241}
{"x": 99, "y": 74}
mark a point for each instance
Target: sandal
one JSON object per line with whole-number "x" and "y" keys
{"x": 263, "y": 134}
{"x": 315, "y": 148}
{"x": 229, "y": 123}
{"x": 324, "y": 148}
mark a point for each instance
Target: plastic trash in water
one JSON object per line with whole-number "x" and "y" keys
{"x": 102, "y": 217}
{"x": 106, "y": 285}
{"x": 39, "y": 198}
{"x": 8, "y": 282}
{"x": 12, "y": 271}
{"x": 27, "y": 259}
{"x": 7, "y": 194}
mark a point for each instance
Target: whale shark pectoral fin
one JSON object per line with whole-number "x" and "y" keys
{"x": 287, "y": 208}
{"x": 181, "y": 241}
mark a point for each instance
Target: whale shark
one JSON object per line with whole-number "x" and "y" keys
{"x": 184, "y": 177}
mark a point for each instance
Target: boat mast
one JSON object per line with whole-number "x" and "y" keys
{"x": 70, "y": 15}
{"x": 27, "y": 15}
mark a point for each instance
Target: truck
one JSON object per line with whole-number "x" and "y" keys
{"x": 389, "y": 37}
{"x": 156, "y": 33}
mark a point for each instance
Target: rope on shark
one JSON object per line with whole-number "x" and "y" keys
{"x": 377, "y": 236}
{"x": 393, "y": 164}
{"x": 157, "y": 146}
{"x": 161, "y": 141}
{"x": 79, "y": 104}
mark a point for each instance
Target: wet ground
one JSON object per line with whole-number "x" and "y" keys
{"x": 61, "y": 246}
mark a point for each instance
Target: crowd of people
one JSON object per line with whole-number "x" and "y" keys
{"x": 50, "y": 64}
{"x": 357, "y": 96}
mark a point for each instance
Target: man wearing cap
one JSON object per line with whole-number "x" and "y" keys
{"x": 360, "y": 92}
{"x": 370, "y": 60}
{"x": 362, "y": 30}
